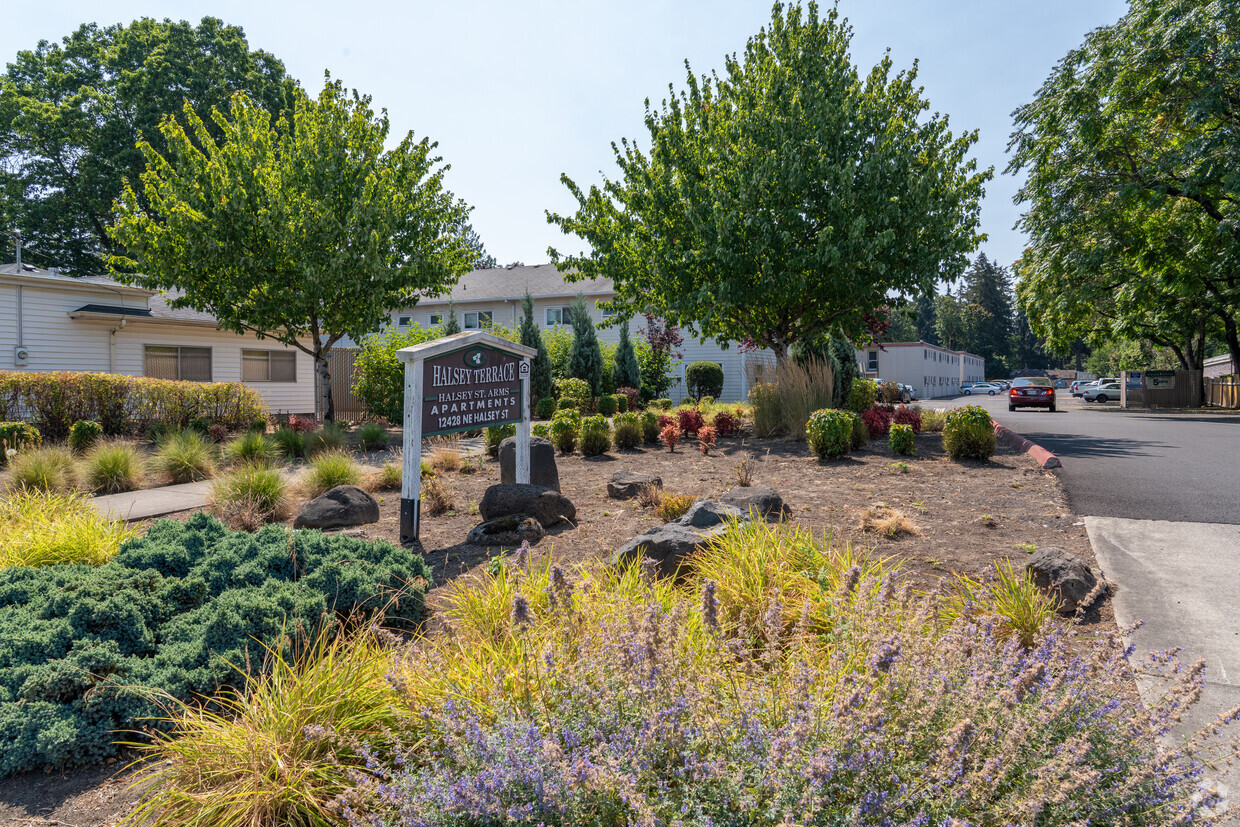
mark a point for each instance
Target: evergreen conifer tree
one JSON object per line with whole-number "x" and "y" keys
{"x": 627, "y": 373}
{"x": 540, "y": 365}
{"x": 988, "y": 289}
{"x": 585, "y": 360}
{"x": 451, "y": 325}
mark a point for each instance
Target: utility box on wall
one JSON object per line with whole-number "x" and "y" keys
{"x": 21, "y": 355}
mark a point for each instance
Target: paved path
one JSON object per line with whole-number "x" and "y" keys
{"x": 147, "y": 503}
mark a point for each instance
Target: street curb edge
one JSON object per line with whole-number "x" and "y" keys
{"x": 1044, "y": 457}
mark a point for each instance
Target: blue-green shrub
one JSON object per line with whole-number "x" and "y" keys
{"x": 86, "y": 652}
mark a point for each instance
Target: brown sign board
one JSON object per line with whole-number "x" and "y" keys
{"x": 474, "y": 387}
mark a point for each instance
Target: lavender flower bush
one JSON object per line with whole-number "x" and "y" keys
{"x": 624, "y": 701}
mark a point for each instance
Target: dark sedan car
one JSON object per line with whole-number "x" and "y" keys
{"x": 1031, "y": 392}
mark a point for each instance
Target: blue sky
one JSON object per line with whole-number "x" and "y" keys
{"x": 517, "y": 93}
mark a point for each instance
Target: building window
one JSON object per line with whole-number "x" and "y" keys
{"x": 187, "y": 364}
{"x": 607, "y": 314}
{"x": 435, "y": 318}
{"x": 404, "y": 321}
{"x": 268, "y": 366}
{"x": 477, "y": 320}
{"x": 559, "y": 316}
{"x": 872, "y": 360}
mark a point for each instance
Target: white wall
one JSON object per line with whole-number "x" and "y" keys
{"x": 933, "y": 371}
{"x": 57, "y": 342}
{"x": 280, "y": 397}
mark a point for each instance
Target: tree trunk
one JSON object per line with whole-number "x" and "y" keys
{"x": 326, "y": 408}
{"x": 1232, "y": 336}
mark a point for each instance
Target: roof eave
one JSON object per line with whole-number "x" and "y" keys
{"x": 39, "y": 281}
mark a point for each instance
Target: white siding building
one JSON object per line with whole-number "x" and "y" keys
{"x": 495, "y": 295}
{"x": 51, "y": 322}
{"x": 932, "y": 370}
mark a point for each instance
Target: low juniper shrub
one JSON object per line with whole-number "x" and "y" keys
{"x": 83, "y": 435}
{"x": 85, "y": 653}
{"x": 830, "y": 432}
{"x": 968, "y": 433}
{"x": 901, "y": 439}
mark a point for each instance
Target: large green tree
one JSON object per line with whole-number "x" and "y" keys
{"x": 1131, "y": 152}
{"x": 72, "y": 114}
{"x": 784, "y": 198}
{"x": 304, "y": 229}
{"x": 988, "y": 293}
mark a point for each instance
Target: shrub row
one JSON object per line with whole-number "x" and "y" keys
{"x": 87, "y": 653}
{"x": 122, "y": 404}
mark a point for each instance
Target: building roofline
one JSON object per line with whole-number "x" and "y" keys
{"x": 940, "y": 348}
{"x": 42, "y": 278}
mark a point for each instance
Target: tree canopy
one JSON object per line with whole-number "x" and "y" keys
{"x": 72, "y": 114}
{"x": 1132, "y": 191}
{"x": 785, "y": 198}
{"x": 302, "y": 228}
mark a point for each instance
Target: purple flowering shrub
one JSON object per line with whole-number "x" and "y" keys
{"x": 834, "y": 696}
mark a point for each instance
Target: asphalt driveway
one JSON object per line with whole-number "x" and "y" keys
{"x": 1134, "y": 464}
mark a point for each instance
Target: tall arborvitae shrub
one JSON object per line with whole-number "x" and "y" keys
{"x": 451, "y": 325}
{"x": 540, "y": 367}
{"x": 844, "y": 363}
{"x": 585, "y": 360}
{"x": 627, "y": 373}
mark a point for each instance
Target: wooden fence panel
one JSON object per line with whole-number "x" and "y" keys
{"x": 1220, "y": 393}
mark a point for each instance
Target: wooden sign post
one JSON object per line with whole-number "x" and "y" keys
{"x": 469, "y": 381}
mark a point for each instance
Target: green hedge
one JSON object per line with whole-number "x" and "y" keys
{"x": 85, "y": 652}
{"x": 122, "y": 404}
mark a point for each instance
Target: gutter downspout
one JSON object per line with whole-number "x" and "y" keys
{"x": 20, "y": 332}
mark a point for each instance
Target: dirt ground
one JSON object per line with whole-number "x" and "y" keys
{"x": 966, "y": 517}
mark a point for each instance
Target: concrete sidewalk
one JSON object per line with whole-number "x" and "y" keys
{"x": 146, "y": 503}
{"x": 1182, "y": 580}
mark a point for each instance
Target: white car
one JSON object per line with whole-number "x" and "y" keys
{"x": 982, "y": 387}
{"x": 1102, "y": 392}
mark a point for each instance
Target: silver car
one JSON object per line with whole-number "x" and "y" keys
{"x": 1102, "y": 392}
{"x": 982, "y": 387}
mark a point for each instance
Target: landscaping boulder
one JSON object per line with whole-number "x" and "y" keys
{"x": 543, "y": 470}
{"x": 546, "y": 505}
{"x": 344, "y": 505}
{"x": 1061, "y": 575}
{"x": 625, "y": 485}
{"x": 671, "y": 544}
{"x": 708, "y": 514}
{"x": 512, "y": 530}
{"x": 762, "y": 502}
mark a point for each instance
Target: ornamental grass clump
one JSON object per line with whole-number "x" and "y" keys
{"x": 372, "y": 436}
{"x": 112, "y": 468}
{"x": 783, "y": 675}
{"x": 38, "y": 528}
{"x": 250, "y": 496}
{"x": 52, "y": 469}
{"x": 331, "y": 437}
{"x": 933, "y": 420}
{"x": 595, "y": 436}
{"x": 327, "y": 470}
{"x": 1009, "y": 597}
{"x": 969, "y": 433}
{"x": 252, "y": 448}
{"x": 185, "y": 456}
{"x": 830, "y": 433}
{"x": 291, "y": 444}
{"x": 901, "y": 440}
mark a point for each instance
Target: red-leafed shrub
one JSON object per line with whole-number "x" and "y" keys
{"x": 665, "y": 420}
{"x": 670, "y": 435}
{"x": 726, "y": 423}
{"x": 689, "y": 420}
{"x": 302, "y": 424}
{"x": 877, "y": 421}
{"x": 907, "y": 416}
{"x": 706, "y": 438}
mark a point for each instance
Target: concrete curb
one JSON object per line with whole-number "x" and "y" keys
{"x": 1044, "y": 457}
